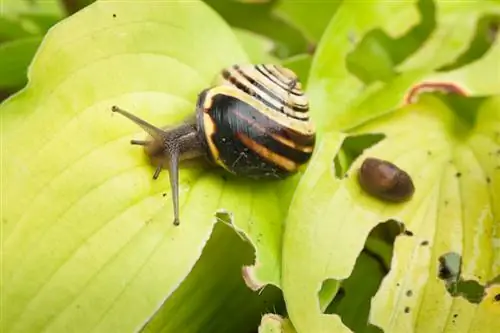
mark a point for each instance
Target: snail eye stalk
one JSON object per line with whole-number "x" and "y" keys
{"x": 170, "y": 149}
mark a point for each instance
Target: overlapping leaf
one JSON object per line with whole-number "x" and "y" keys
{"x": 258, "y": 17}
{"x": 430, "y": 140}
{"x": 275, "y": 324}
{"x": 257, "y": 47}
{"x": 214, "y": 297}
{"x": 311, "y": 19}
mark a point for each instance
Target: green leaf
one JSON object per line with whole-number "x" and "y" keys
{"x": 330, "y": 79}
{"x": 258, "y": 48}
{"x": 442, "y": 202}
{"x": 36, "y": 17}
{"x": 88, "y": 240}
{"x": 301, "y": 241}
{"x": 12, "y": 29}
{"x": 259, "y": 18}
{"x": 473, "y": 78}
{"x": 311, "y": 18}
{"x": 14, "y": 7}
{"x": 354, "y": 101}
{"x": 214, "y": 297}
{"x": 353, "y": 303}
{"x": 72, "y": 6}
{"x": 300, "y": 64}
{"x": 434, "y": 142}
{"x": 458, "y": 214}
{"x": 15, "y": 57}
{"x": 455, "y": 30}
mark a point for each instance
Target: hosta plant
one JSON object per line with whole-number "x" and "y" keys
{"x": 87, "y": 239}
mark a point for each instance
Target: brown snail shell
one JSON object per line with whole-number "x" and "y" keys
{"x": 386, "y": 181}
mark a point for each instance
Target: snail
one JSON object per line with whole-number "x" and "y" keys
{"x": 253, "y": 122}
{"x": 385, "y": 180}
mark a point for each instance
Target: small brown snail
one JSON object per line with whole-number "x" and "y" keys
{"x": 254, "y": 122}
{"x": 385, "y": 180}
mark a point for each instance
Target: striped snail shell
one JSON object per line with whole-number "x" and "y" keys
{"x": 253, "y": 122}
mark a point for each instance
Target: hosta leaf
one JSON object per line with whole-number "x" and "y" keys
{"x": 352, "y": 303}
{"x": 258, "y": 48}
{"x": 214, "y": 297}
{"x": 258, "y": 16}
{"x": 72, "y": 6}
{"x": 301, "y": 65}
{"x": 88, "y": 241}
{"x": 470, "y": 78}
{"x": 330, "y": 79}
{"x": 11, "y": 29}
{"x": 14, "y": 7}
{"x": 35, "y": 17}
{"x": 442, "y": 217}
{"x": 15, "y": 56}
{"x": 310, "y": 18}
{"x": 452, "y": 160}
{"x": 460, "y": 214}
{"x": 455, "y": 30}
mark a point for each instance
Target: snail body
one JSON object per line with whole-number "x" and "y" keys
{"x": 253, "y": 122}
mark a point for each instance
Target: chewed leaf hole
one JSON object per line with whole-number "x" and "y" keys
{"x": 450, "y": 266}
{"x": 389, "y": 230}
{"x": 485, "y": 36}
{"x": 351, "y": 148}
{"x": 226, "y": 218}
{"x": 352, "y": 302}
{"x": 377, "y": 54}
{"x": 217, "y": 276}
{"x": 471, "y": 290}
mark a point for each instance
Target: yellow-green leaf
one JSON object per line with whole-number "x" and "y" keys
{"x": 88, "y": 242}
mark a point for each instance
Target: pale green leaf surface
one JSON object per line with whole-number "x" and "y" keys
{"x": 330, "y": 80}
{"x": 471, "y": 79}
{"x": 329, "y": 247}
{"x": 88, "y": 240}
{"x": 456, "y": 26}
{"x": 459, "y": 214}
{"x": 300, "y": 286}
{"x": 379, "y": 99}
